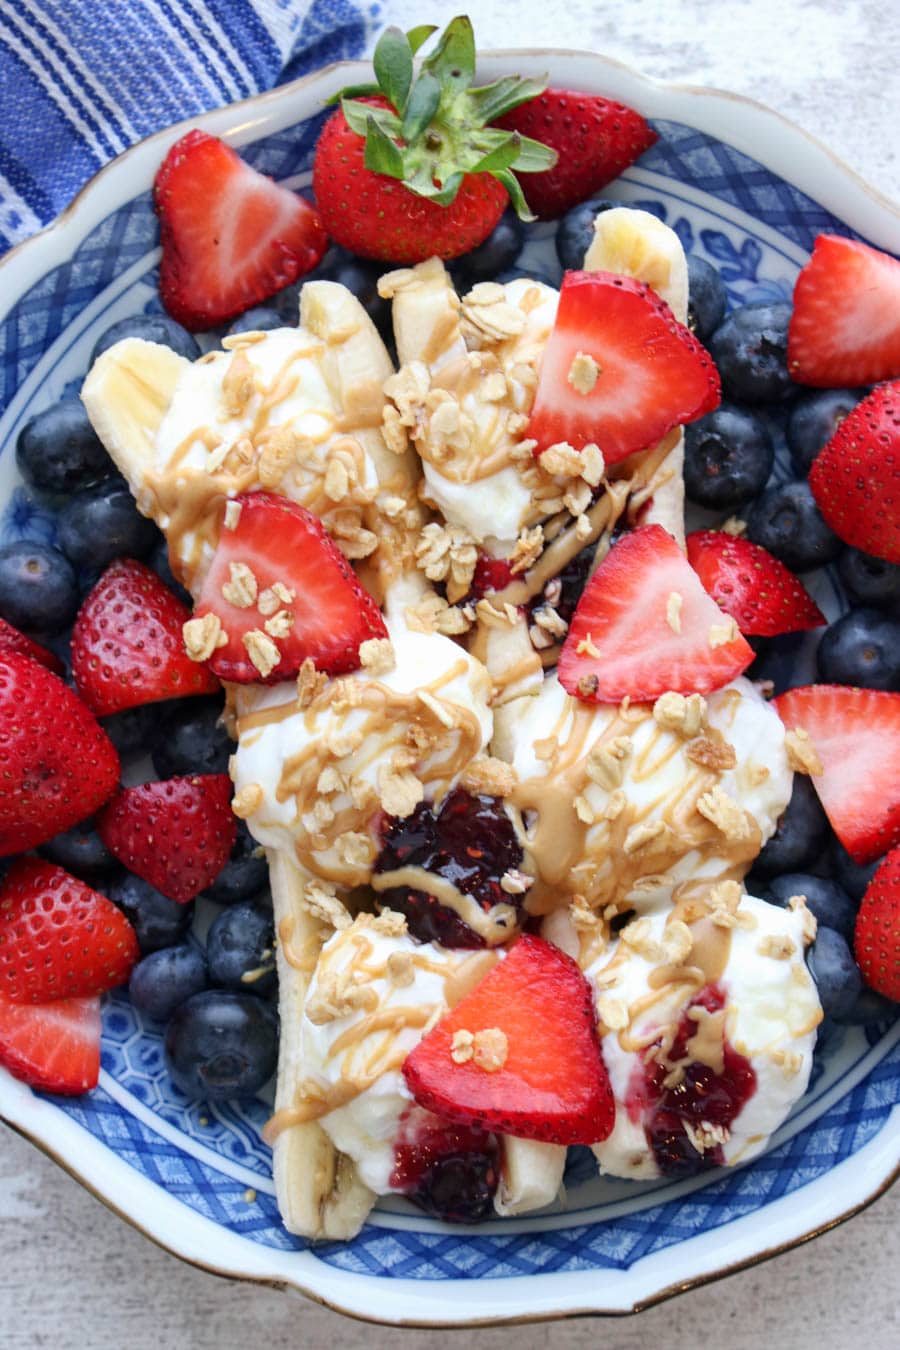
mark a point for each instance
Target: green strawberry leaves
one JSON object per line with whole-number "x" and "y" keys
{"x": 437, "y": 127}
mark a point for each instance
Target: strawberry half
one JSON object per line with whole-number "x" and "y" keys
{"x": 596, "y": 140}
{"x": 59, "y": 938}
{"x": 876, "y": 941}
{"x": 11, "y": 640}
{"x": 856, "y": 733}
{"x": 855, "y": 478}
{"x": 644, "y": 625}
{"x": 52, "y": 1046}
{"x": 845, "y": 328}
{"x": 127, "y": 644}
{"x": 57, "y": 765}
{"x": 327, "y": 613}
{"x": 642, "y": 372}
{"x": 745, "y": 581}
{"x": 230, "y": 236}
{"x": 177, "y": 834}
{"x": 552, "y": 1084}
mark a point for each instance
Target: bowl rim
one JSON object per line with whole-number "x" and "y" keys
{"x": 745, "y": 123}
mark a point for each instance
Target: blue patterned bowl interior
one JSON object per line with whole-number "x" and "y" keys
{"x": 756, "y": 229}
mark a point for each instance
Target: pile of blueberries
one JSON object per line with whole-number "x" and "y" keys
{"x": 221, "y": 1033}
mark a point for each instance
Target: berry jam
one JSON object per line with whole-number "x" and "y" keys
{"x": 491, "y": 574}
{"x": 470, "y": 842}
{"x": 450, "y": 1171}
{"x": 702, "y": 1098}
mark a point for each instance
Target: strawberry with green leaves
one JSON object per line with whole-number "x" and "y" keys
{"x": 411, "y": 167}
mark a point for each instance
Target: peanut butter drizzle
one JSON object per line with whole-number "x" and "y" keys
{"x": 494, "y": 927}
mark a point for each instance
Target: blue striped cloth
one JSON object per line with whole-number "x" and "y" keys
{"x": 81, "y": 80}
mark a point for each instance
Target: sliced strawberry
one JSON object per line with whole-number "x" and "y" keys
{"x": 57, "y": 765}
{"x": 230, "y": 236}
{"x": 745, "y": 581}
{"x": 856, "y": 733}
{"x": 551, "y": 1084}
{"x": 845, "y": 328}
{"x": 52, "y": 1046}
{"x": 177, "y": 834}
{"x": 59, "y": 938}
{"x": 855, "y": 478}
{"x": 326, "y": 617}
{"x": 649, "y": 372}
{"x": 596, "y": 140}
{"x": 644, "y": 625}
{"x": 11, "y": 640}
{"x": 127, "y": 644}
{"x": 876, "y": 942}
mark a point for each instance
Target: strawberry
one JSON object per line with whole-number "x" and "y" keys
{"x": 11, "y": 640}
{"x": 176, "y": 834}
{"x": 53, "y": 1046}
{"x": 553, "y": 1084}
{"x": 57, "y": 765}
{"x": 845, "y": 327}
{"x": 644, "y": 625}
{"x": 745, "y": 581}
{"x": 596, "y": 140}
{"x": 230, "y": 236}
{"x": 855, "y": 478}
{"x": 856, "y": 733}
{"x": 127, "y": 644}
{"x": 409, "y": 168}
{"x": 59, "y": 938}
{"x": 644, "y": 372}
{"x": 876, "y": 941}
{"x": 326, "y": 615}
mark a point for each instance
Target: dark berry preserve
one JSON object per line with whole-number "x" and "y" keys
{"x": 450, "y": 1171}
{"x": 703, "y": 1104}
{"x": 470, "y": 843}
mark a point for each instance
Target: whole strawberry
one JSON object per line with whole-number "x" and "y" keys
{"x": 127, "y": 644}
{"x": 855, "y": 479}
{"x": 57, "y": 764}
{"x": 877, "y": 939}
{"x": 58, "y": 937}
{"x": 176, "y": 834}
{"x": 410, "y": 168}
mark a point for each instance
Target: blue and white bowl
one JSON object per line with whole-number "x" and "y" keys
{"x": 748, "y": 191}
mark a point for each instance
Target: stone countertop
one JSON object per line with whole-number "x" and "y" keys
{"x": 74, "y": 1276}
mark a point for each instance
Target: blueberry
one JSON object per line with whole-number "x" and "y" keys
{"x": 82, "y": 852}
{"x": 458, "y": 1187}
{"x": 800, "y": 836}
{"x": 815, "y": 416}
{"x": 240, "y": 949}
{"x": 828, "y": 901}
{"x": 38, "y": 588}
{"x": 133, "y": 730}
{"x": 750, "y": 350}
{"x": 706, "y": 297}
{"x": 868, "y": 580}
{"x": 103, "y": 523}
{"x": 787, "y": 521}
{"x": 728, "y": 456}
{"x": 259, "y": 320}
{"x": 869, "y": 1007}
{"x": 541, "y": 274}
{"x": 785, "y": 660}
{"x": 835, "y": 972}
{"x": 853, "y": 876}
{"x": 59, "y": 451}
{"x": 244, "y": 875}
{"x": 220, "y": 1045}
{"x": 152, "y": 328}
{"x": 159, "y": 561}
{"x": 164, "y": 980}
{"x": 499, "y": 251}
{"x": 862, "y": 648}
{"x": 190, "y": 739}
{"x": 157, "y": 921}
{"x": 575, "y": 232}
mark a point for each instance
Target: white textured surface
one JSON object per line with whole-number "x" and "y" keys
{"x": 73, "y": 1276}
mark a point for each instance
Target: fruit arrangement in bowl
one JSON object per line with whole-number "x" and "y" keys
{"x": 556, "y": 823}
